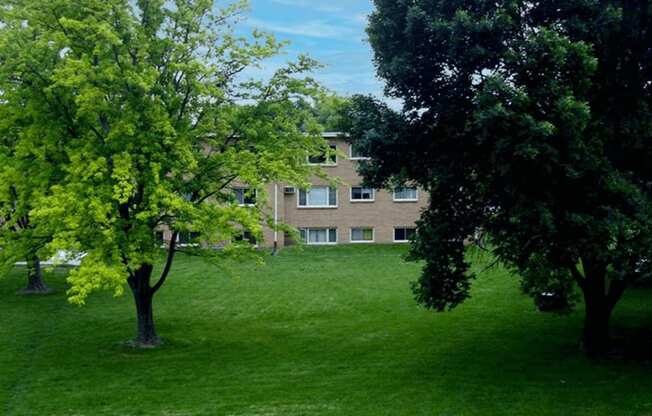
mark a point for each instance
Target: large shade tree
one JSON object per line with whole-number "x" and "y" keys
{"x": 23, "y": 179}
{"x": 26, "y": 172}
{"x": 149, "y": 107}
{"x": 530, "y": 121}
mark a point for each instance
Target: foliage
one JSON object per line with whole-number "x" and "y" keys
{"x": 26, "y": 172}
{"x": 529, "y": 121}
{"x": 23, "y": 179}
{"x": 329, "y": 110}
{"x": 149, "y": 105}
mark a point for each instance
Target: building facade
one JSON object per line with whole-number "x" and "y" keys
{"x": 327, "y": 214}
{"x": 347, "y": 213}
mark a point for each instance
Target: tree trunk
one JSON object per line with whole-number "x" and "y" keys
{"x": 599, "y": 303}
{"x": 595, "y": 338}
{"x": 35, "y": 284}
{"x": 143, "y": 296}
{"x": 146, "y": 333}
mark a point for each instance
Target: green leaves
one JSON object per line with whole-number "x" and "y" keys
{"x": 95, "y": 273}
{"x": 527, "y": 121}
{"x": 141, "y": 116}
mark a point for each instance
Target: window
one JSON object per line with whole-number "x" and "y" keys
{"x": 406, "y": 194}
{"x": 318, "y": 236}
{"x": 318, "y": 197}
{"x": 246, "y": 236}
{"x": 356, "y": 153}
{"x": 160, "y": 238}
{"x": 186, "y": 238}
{"x": 358, "y": 193}
{"x": 362, "y": 235}
{"x": 244, "y": 196}
{"x": 325, "y": 159}
{"x": 404, "y": 234}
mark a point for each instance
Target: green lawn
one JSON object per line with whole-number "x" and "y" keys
{"x": 323, "y": 331}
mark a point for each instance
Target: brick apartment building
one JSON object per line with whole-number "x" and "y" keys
{"x": 344, "y": 214}
{"x": 348, "y": 213}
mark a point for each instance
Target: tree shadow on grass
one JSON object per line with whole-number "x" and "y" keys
{"x": 631, "y": 345}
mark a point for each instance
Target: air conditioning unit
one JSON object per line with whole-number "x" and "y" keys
{"x": 289, "y": 190}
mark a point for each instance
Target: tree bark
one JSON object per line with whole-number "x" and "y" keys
{"x": 143, "y": 294}
{"x": 35, "y": 283}
{"x": 599, "y": 304}
{"x": 143, "y": 291}
{"x": 595, "y": 337}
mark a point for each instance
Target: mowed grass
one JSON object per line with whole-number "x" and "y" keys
{"x": 318, "y": 331}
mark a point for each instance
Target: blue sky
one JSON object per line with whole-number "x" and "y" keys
{"x": 330, "y": 31}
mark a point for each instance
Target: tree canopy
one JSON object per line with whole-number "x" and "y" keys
{"x": 329, "y": 110}
{"x": 529, "y": 121}
{"x": 24, "y": 179}
{"x": 148, "y": 107}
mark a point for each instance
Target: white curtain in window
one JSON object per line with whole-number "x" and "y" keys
{"x": 406, "y": 193}
{"x": 318, "y": 236}
{"x": 318, "y": 196}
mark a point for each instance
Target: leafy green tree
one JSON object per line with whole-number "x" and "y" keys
{"x": 148, "y": 103}
{"x": 26, "y": 171}
{"x": 530, "y": 121}
{"x": 330, "y": 111}
{"x": 19, "y": 240}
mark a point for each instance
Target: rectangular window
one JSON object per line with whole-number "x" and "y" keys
{"x": 318, "y": 197}
{"x": 358, "y": 193}
{"x": 404, "y": 234}
{"x": 186, "y": 238}
{"x": 356, "y": 153}
{"x": 406, "y": 194}
{"x": 246, "y": 236}
{"x": 362, "y": 235}
{"x": 325, "y": 159}
{"x": 245, "y": 196}
{"x": 319, "y": 236}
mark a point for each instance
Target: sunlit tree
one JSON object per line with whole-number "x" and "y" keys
{"x": 149, "y": 109}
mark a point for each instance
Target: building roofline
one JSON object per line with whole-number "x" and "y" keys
{"x": 330, "y": 134}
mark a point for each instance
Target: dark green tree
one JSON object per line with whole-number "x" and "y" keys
{"x": 529, "y": 121}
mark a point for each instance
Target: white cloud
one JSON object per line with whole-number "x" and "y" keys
{"x": 360, "y": 18}
{"x": 311, "y": 4}
{"x": 311, "y": 28}
{"x": 333, "y": 32}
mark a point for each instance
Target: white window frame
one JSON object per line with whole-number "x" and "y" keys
{"x": 373, "y": 195}
{"x": 331, "y": 146}
{"x": 326, "y": 243}
{"x": 180, "y": 244}
{"x": 406, "y": 200}
{"x": 402, "y": 227}
{"x": 373, "y": 235}
{"x": 245, "y": 189}
{"x": 351, "y": 157}
{"x": 317, "y": 206}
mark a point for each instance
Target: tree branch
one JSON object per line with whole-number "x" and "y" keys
{"x": 96, "y": 132}
{"x": 577, "y": 275}
{"x": 168, "y": 262}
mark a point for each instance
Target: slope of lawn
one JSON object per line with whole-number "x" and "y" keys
{"x": 318, "y": 331}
